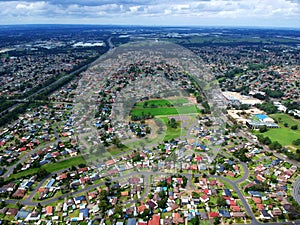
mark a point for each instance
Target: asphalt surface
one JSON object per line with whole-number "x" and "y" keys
{"x": 296, "y": 190}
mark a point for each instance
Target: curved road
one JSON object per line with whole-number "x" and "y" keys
{"x": 29, "y": 201}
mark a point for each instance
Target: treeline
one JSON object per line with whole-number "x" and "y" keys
{"x": 5, "y": 105}
{"x": 268, "y": 107}
{"x": 21, "y": 108}
{"x": 200, "y": 96}
{"x": 56, "y": 85}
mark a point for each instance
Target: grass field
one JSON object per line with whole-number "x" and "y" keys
{"x": 161, "y": 109}
{"x": 284, "y": 118}
{"x": 157, "y": 107}
{"x": 171, "y": 132}
{"x": 165, "y": 111}
{"x": 162, "y": 102}
{"x": 284, "y": 135}
{"x": 51, "y": 167}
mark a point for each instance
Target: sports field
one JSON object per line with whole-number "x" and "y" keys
{"x": 284, "y": 135}
{"x": 163, "y": 107}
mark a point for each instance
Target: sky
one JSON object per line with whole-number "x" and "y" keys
{"x": 263, "y": 13}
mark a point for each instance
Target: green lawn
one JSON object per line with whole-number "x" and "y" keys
{"x": 75, "y": 161}
{"x": 285, "y": 118}
{"x": 158, "y": 107}
{"x": 171, "y": 132}
{"x": 165, "y": 110}
{"x": 161, "y": 102}
{"x": 284, "y": 135}
{"x": 51, "y": 167}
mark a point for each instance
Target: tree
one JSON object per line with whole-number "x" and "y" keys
{"x": 162, "y": 203}
{"x": 216, "y": 221}
{"x": 146, "y": 215}
{"x": 119, "y": 209}
{"x": 172, "y": 123}
{"x": 294, "y": 127}
{"x": 296, "y": 142}
{"x": 117, "y": 142}
{"x": 275, "y": 145}
{"x": 221, "y": 202}
{"x": 42, "y": 173}
{"x": 266, "y": 141}
{"x": 263, "y": 129}
{"x": 19, "y": 166}
{"x": 39, "y": 207}
{"x": 195, "y": 221}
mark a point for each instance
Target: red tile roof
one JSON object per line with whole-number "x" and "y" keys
{"x": 213, "y": 214}
{"x": 155, "y": 220}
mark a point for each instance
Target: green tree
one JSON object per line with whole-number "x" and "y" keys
{"x": 195, "y": 221}
{"x": 119, "y": 209}
{"x": 294, "y": 127}
{"x": 216, "y": 221}
{"x": 221, "y": 202}
{"x": 296, "y": 142}
{"x": 263, "y": 129}
{"x": 275, "y": 145}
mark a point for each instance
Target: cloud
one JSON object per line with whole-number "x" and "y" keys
{"x": 150, "y": 12}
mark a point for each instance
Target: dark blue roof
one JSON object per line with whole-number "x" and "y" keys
{"x": 230, "y": 162}
{"x": 85, "y": 212}
{"x": 227, "y": 192}
{"x": 224, "y": 213}
{"x": 80, "y": 198}
{"x": 221, "y": 168}
{"x": 29, "y": 183}
{"x": 255, "y": 193}
{"x": 256, "y": 181}
{"x": 265, "y": 213}
{"x": 64, "y": 152}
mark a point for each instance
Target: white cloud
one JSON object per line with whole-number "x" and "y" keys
{"x": 144, "y": 11}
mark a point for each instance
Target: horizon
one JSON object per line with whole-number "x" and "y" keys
{"x": 155, "y": 26}
{"x": 216, "y": 13}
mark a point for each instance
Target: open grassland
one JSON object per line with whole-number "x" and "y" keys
{"x": 284, "y": 135}
{"x": 163, "y": 107}
{"x": 284, "y": 118}
{"x": 171, "y": 132}
{"x": 165, "y": 111}
{"x": 51, "y": 167}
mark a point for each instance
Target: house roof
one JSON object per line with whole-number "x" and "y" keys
{"x": 213, "y": 214}
{"x": 265, "y": 213}
{"x": 227, "y": 192}
{"x": 131, "y": 221}
{"x": 155, "y": 220}
{"x": 12, "y": 211}
{"x": 22, "y": 214}
{"x": 224, "y": 213}
{"x": 235, "y": 208}
{"x": 49, "y": 209}
{"x": 256, "y": 200}
{"x": 177, "y": 218}
{"x": 85, "y": 212}
{"x": 260, "y": 206}
{"x": 141, "y": 208}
